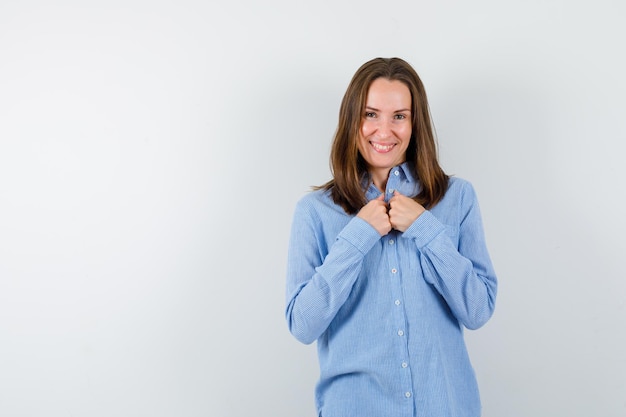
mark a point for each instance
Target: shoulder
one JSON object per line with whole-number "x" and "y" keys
{"x": 459, "y": 200}
{"x": 314, "y": 198}
{"x": 460, "y": 195}
{"x": 458, "y": 183}
{"x": 460, "y": 187}
{"x": 318, "y": 204}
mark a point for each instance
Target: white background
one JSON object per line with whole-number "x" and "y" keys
{"x": 151, "y": 153}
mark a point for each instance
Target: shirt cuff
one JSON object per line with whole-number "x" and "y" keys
{"x": 360, "y": 234}
{"x": 424, "y": 229}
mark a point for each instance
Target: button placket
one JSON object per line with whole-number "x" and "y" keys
{"x": 391, "y": 248}
{"x": 393, "y": 182}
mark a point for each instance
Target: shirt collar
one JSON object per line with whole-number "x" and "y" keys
{"x": 405, "y": 175}
{"x": 408, "y": 172}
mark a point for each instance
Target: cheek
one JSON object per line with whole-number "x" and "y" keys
{"x": 361, "y": 143}
{"x": 366, "y": 129}
{"x": 405, "y": 133}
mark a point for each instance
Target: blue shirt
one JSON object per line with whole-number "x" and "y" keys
{"x": 388, "y": 312}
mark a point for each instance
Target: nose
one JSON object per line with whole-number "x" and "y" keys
{"x": 384, "y": 129}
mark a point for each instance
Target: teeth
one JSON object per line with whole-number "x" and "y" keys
{"x": 380, "y": 147}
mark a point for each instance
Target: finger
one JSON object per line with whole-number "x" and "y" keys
{"x": 396, "y": 196}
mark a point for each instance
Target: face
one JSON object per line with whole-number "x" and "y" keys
{"x": 385, "y": 127}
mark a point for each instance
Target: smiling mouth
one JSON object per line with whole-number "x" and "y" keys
{"x": 378, "y": 147}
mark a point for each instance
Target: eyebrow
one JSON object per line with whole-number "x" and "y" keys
{"x": 395, "y": 111}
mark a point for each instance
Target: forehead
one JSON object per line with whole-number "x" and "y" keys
{"x": 384, "y": 92}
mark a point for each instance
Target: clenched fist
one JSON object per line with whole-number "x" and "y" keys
{"x": 375, "y": 213}
{"x": 403, "y": 211}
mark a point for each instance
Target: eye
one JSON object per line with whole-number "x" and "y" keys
{"x": 370, "y": 114}
{"x": 399, "y": 116}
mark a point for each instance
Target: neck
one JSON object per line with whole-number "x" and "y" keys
{"x": 379, "y": 178}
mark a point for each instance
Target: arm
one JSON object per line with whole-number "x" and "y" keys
{"x": 319, "y": 283}
{"x": 463, "y": 276}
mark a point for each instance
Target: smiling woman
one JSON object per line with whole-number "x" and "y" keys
{"x": 383, "y": 82}
{"x": 386, "y": 129}
{"x": 387, "y": 261}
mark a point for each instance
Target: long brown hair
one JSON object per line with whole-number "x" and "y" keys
{"x": 348, "y": 166}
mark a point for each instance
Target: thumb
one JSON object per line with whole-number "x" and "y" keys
{"x": 381, "y": 197}
{"x": 396, "y": 193}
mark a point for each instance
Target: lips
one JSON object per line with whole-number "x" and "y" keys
{"x": 382, "y": 148}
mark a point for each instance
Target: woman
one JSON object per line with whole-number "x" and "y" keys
{"x": 387, "y": 261}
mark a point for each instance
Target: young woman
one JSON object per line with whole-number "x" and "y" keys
{"x": 387, "y": 261}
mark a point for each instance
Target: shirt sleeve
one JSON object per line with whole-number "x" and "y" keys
{"x": 319, "y": 283}
{"x": 462, "y": 274}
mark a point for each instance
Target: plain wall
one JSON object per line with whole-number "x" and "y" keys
{"x": 152, "y": 152}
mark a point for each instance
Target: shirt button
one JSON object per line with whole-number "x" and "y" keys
{"x": 394, "y": 270}
{"x": 391, "y": 242}
{"x": 391, "y": 190}
{"x": 400, "y": 333}
{"x": 404, "y": 364}
{"x": 397, "y": 302}
{"x": 407, "y": 394}
{"x": 396, "y": 173}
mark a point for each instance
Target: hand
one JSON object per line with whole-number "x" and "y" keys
{"x": 403, "y": 211}
{"x": 375, "y": 213}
